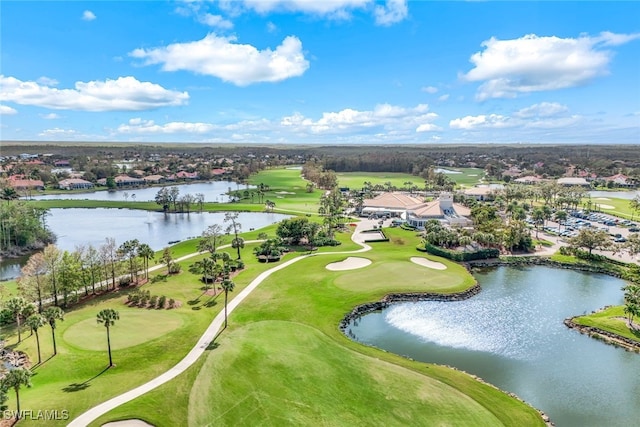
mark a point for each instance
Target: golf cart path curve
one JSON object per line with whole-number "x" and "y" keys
{"x": 207, "y": 337}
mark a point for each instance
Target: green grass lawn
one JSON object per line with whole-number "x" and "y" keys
{"x": 355, "y": 180}
{"x": 10, "y": 288}
{"x": 612, "y": 319}
{"x": 620, "y": 207}
{"x": 76, "y": 378}
{"x": 283, "y": 360}
{"x": 469, "y": 176}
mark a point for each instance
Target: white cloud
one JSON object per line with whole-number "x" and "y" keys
{"x": 389, "y": 117}
{"x": 47, "y": 81}
{"x": 50, "y": 116}
{"x": 531, "y": 63}
{"x": 481, "y": 121}
{"x": 122, "y": 94}
{"x": 215, "y": 21}
{"x": 546, "y": 115}
{"x": 5, "y": 110}
{"x": 140, "y": 126}
{"x": 429, "y": 89}
{"x": 392, "y": 12}
{"x": 87, "y": 15}
{"x": 241, "y": 64}
{"x": 544, "y": 109}
{"x": 271, "y": 27}
{"x": 57, "y": 132}
{"x": 428, "y": 127}
{"x": 443, "y": 97}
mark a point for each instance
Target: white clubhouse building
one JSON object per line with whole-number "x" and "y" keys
{"x": 416, "y": 212}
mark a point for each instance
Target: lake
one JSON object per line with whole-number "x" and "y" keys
{"x": 512, "y": 335}
{"x": 77, "y": 226}
{"x": 614, "y": 194}
{"x": 214, "y": 191}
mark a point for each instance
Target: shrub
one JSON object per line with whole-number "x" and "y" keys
{"x": 459, "y": 255}
{"x": 162, "y": 301}
{"x": 172, "y": 303}
{"x": 124, "y": 281}
{"x": 153, "y": 301}
{"x": 174, "y": 268}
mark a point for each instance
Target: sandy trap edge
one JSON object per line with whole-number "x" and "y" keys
{"x": 127, "y": 423}
{"x": 428, "y": 263}
{"x": 350, "y": 263}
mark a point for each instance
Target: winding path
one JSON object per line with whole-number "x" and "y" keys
{"x": 209, "y": 335}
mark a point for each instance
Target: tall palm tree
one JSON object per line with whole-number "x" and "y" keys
{"x": 108, "y": 317}
{"x": 35, "y": 322}
{"x": 53, "y": 314}
{"x": 15, "y": 379}
{"x": 17, "y": 305}
{"x": 227, "y": 286}
{"x": 146, "y": 253}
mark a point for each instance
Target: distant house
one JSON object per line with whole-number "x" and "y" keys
{"x": 187, "y": 175}
{"x": 619, "y": 180}
{"x": 20, "y": 184}
{"x": 569, "y": 181}
{"x": 153, "y": 179}
{"x": 481, "y": 194}
{"x": 528, "y": 180}
{"x": 127, "y": 181}
{"x": 62, "y": 164}
{"x": 74, "y": 184}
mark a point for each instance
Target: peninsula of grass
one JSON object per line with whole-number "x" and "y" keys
{"x": 612, "y": 319}
{"x": 284, "y": 361}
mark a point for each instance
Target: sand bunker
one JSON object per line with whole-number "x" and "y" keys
{"x": 127, "y": 423}
{"x": 602, "y": 198}
{"x": 350, "y": 263}
{"x": 284, "y": 192}
{"x": 601, "y": 206}
{"x": 428, "y": 263}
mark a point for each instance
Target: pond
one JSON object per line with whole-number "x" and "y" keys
{"x": 78, "y": 226}
{"x": 214, "y": 191}
{"x": 512, "y": 335}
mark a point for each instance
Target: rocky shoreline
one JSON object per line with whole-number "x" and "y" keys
{"x": 606, "y": 336}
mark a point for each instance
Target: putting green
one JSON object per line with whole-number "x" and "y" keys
{"x": 397, "y": 275}
{"x": 135, "y": 327}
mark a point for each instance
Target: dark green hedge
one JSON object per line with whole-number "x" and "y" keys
{"x": 460, "y": 256}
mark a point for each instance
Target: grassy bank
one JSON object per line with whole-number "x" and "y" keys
{"x": 612, "y": 319}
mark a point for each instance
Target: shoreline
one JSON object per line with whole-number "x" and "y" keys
{"x": 389, "y": 299}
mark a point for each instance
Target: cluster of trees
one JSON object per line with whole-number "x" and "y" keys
{"x": 22, "y": 226}
{"x": 318, "y": 175}
{"x": 171, "y": 200}
{"x": 62, "y": 275}
{"x": 631, "y": 302}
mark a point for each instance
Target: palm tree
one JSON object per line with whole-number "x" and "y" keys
{"x": 146, "y": 253}
{"x": 206, "y": 267}
{"x": 227, "y": 286}
{"x": 35, "y": 322}
{"x": 108, "y": 317}
{"x": 634, "y": 205}
{"x": 15, "y": 379}
{"x": 52, "y": 314}
{"x": 561, "y": 217}
{"x": 17, "y": 305}
{"x": 237, "y": 243}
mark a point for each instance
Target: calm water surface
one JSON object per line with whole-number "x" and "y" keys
{"x": 78, "y": 226}
{"x": 512, "y": 335}
{"x": 214, "y": 191}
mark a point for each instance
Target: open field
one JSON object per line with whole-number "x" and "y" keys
{"x": 355, "y": 180}
{"x": 283, "y": 360}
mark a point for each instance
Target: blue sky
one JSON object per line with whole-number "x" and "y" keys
{"x": 320, "y": 72}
